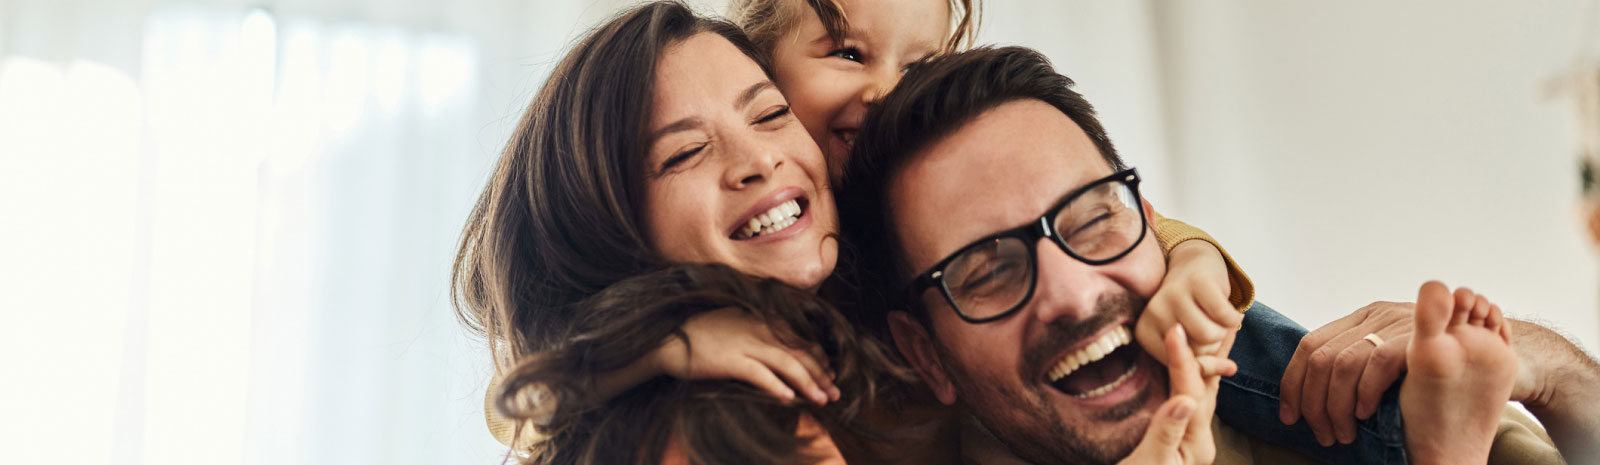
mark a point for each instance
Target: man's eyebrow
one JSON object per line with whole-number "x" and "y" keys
{"x": 751, "y": 93}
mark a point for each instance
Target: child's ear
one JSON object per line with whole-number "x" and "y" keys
{"x": 1149, "y": 211}
{"x": 916, "y": 345}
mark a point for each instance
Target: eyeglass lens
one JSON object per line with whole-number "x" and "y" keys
{"x": 991, "y": 278}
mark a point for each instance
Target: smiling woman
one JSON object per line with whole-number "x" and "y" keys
{"x": 731, "y": 175}
{"x": 631, "y": 162}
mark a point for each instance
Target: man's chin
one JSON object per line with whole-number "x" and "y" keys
{"x": 1108, "y": 426}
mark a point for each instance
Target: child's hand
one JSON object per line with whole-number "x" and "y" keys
{"x": 732, "y": 344}
{"x": 1194, "y": 293}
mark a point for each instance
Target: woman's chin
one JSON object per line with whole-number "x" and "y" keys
{"x": 807, "y": 272}
{"x": 807, "y": 275}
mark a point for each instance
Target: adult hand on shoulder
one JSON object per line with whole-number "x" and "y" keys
{"x": 1180, "y": 431}
{"x": 732, "y": 344}
{"x": 1338, "y": 374}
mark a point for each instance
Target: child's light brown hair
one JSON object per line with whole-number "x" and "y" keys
{"x": 767, "y": 20}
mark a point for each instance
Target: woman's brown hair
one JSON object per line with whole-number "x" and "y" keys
{"x": 714, "y": 422}
{"x": 558, "y": 221}
{"x": 553, "y": 269}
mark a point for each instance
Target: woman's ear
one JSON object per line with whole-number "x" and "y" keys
{"x": 1149, "y": 211}
{"x": 916, "y": 345}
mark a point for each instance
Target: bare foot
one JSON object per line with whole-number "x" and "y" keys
{"x": 1460, "y": 370}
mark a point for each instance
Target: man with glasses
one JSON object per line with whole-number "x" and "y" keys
{"x": 1008, "y": 248}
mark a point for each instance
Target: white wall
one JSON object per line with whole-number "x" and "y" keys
{"x": 263, "y": 279}
{"x": 1347, "y": 151}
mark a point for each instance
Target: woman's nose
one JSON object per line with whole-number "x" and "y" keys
{"x": 752, "y": 164}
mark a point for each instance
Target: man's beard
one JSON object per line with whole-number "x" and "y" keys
{"x": 1028, "y": 423}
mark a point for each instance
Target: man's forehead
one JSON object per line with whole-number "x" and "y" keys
{"x": 1001, "y": 169}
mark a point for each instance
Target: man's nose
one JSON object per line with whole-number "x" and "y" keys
{"x": 1064, "y": 288}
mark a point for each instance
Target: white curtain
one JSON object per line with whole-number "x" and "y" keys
{"x": 226, "y": 227}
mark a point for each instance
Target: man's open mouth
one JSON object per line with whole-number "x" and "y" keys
{"x": 1098, "y": 368}
{"x": 773, "y": 220}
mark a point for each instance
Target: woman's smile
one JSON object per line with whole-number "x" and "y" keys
{"x": 735, "y": 178}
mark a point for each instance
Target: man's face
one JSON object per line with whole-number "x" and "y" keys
{"x": 1002, "y": 170}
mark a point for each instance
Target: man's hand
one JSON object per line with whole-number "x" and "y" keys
{"x": 1194, "y": 293}
{"x": 1180, "y": 432}
{"x": 1338, "y": 374}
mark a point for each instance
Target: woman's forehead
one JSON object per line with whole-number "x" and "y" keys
{"x": 703, "y": 70}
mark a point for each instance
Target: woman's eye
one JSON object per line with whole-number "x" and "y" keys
{"x": 848, "y": 53}
{"x": 774, "y": 115}
{"x": 677, "y": 159}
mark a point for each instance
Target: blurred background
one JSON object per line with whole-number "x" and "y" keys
{"x": 226, "y": 227}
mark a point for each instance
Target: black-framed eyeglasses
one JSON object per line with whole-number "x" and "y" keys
{"x": 992, "y": 277}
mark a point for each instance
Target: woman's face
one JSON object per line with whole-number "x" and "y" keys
{"x": 731, "y": 176}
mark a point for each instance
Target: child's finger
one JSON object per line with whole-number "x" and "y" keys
{"x": 1183, "y": 370}
{"x": 792, "y": 370}
{"x": 758, "y": 374}
{"x": 1184, "y": 374}
{"x": 1164, "y": 437}
{"x": 1212, "y": 365}
{"x": 1215, "y": 303}
{"x": 1148, "y": 331}
{"x": 1202, "y": 331}
{"x": 819, "y": 370}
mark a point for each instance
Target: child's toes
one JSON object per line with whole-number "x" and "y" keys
{"x": 1480, "y": 311}
{"x": 1433, "y": 308}
{"x": 1463, "y": 306}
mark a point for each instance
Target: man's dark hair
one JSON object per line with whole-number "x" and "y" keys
{"x": 932, "y": 101}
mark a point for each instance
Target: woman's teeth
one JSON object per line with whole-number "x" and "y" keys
{"x": 771, "y": 221}
{"x": 1095, "y": 351}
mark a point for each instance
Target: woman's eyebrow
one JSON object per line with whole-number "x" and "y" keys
{"x": 751, "y": 92}
{"x": 681, "y": 125}
{"x": 693, "y": 122}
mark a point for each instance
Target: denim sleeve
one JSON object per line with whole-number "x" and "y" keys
{"x": 1248, "y": 401}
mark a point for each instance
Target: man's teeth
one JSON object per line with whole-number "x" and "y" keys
{"x": 1099, "y": 391}
{"x": 772, "y": 221}
{"x": 1095, "y": 351}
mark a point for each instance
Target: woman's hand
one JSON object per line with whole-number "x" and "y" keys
{"x": 1180, "y": 431}
{"x": 731, "y": 344}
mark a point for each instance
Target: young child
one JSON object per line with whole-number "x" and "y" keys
{"x": 834, "y": 58}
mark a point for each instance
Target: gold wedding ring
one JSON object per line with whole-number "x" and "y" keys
{"x": 1374, "y": 339}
